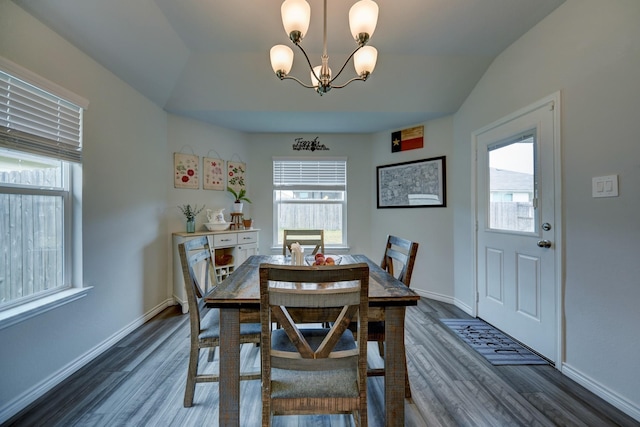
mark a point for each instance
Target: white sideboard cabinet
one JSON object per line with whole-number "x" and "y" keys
{"x": 229, "y": 249}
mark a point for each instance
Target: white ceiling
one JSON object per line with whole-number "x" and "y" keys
{"x": 209, "y": 59}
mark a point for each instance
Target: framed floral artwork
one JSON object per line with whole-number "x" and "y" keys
{"x": 235, "y": 175}
{"x": 185, "y": 171}
{"x": 213, "y": 173}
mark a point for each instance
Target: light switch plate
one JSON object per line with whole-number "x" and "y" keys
{"x": 605, "y": 186}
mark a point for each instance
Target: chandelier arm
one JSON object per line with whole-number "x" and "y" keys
{"x": 309, "y": 62}
{"x": 352, "y": 80}
{"x": 344, "y": 65}
{"x": 297, "y": 80}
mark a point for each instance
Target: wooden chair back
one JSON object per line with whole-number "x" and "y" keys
{"x": 199, "y": 277}
{"x": 399, "y": 254}
{"x": 339, "y": 294}
{"x": 312, "y": 238}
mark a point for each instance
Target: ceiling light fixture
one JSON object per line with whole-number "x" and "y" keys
{"x": 363, "y": 17}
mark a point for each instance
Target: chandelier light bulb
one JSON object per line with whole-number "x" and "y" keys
{"x": 281, "y": 59}
{"x": 363, "y": 18}
{"x": 317, "y": 72}
{"x": 365, "y": 60}
{"x": 296, "y": 15}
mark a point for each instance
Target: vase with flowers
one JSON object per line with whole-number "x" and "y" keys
{"x": 190, "y": 213}
{"x": 239, "y": 197}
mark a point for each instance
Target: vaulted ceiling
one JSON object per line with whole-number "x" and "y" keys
{"x": 209, "y": 59}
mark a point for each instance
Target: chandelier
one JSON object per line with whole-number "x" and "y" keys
{"x": 363, "y": 17}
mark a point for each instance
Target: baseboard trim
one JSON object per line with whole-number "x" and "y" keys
{"x": 601, "y": 391}
{"x": 14, "y": 407}
{"x": 434, "y": 296}
{"x": 444, "y": 298}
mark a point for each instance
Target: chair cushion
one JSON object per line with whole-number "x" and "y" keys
{"x": 250, "y": 328}
{"x": 294, "y": 384}
{"x": 210, "y": 326}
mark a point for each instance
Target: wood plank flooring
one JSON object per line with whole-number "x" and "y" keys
{"x": 140, "y": 382}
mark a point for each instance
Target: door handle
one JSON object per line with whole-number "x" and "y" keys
{"x": 544, "y": 243}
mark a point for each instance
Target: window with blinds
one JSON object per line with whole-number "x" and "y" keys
{"x": 38, "y": 122}
{"x": 40, "y": 148}
{"x": 311, "y": 194}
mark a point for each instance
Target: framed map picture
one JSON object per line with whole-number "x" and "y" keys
{"x": 185, "y": 171}
{"x": 414, "y": 184}
{"x": 213, "y": 172}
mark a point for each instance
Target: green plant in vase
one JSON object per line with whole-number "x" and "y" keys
{"x": 239, "y": 196}
{"x": 190, "y": 213}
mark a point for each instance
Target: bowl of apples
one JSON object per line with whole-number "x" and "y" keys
{"x": 322, "y": 259}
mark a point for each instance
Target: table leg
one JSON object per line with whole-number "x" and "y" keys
{"x": 229, "y": 387}
{"x": 394, "y": 366}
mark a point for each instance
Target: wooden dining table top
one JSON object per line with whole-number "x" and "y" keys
{"x": 242, "y": 288}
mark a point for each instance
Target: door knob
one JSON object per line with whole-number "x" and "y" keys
{"x": 544, "y": 243}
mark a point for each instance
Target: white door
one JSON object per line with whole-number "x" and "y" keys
{"x": 517, "y": 228}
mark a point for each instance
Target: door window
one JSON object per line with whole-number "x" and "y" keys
{"x": 512, "y": 184}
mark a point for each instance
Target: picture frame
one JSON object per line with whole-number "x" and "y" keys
{"x": 214, "y": 173}
{"x": 185, "y": 171}
{"x": 412, "y": 184}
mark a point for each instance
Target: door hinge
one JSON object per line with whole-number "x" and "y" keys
{"x": 477, "y": 297}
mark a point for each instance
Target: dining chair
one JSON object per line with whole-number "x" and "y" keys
{"x": 314, "y": 370}
{"x": 198, "y": 271}
{"x": 398, "y": 260}
{"x": 313, "y": 238}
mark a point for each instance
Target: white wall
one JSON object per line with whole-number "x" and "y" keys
{"x": 124, "y": 231}
{"x": 204, "y": 140}
{"x": 590, "y": 50}
{"x": 432, "y": 228}
{"x": 357, "y": 149}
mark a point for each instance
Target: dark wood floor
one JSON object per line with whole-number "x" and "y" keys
{"x": 140, "y": 382}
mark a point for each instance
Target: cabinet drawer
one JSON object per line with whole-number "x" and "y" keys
{"x": 247, "y": 237}
{"x": 223, "y": 240}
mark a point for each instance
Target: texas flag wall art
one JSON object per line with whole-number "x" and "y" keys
{"x": 407, "y": 139}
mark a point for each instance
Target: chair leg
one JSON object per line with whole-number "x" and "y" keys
{"x": 407, "y": 387}
{"x": 190, "y": 388}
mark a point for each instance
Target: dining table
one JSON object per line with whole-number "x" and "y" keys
{"x": 238, "y": 298}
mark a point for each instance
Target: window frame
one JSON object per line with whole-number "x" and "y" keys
{"x": 70, "y": 191}
{"x": 276, "y": 244}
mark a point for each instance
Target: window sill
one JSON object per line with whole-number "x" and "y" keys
{"x": 26, "y": 311}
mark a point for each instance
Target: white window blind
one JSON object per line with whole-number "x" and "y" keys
{"x": 310, "y": 174}
{"x": 38, "y": 122}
